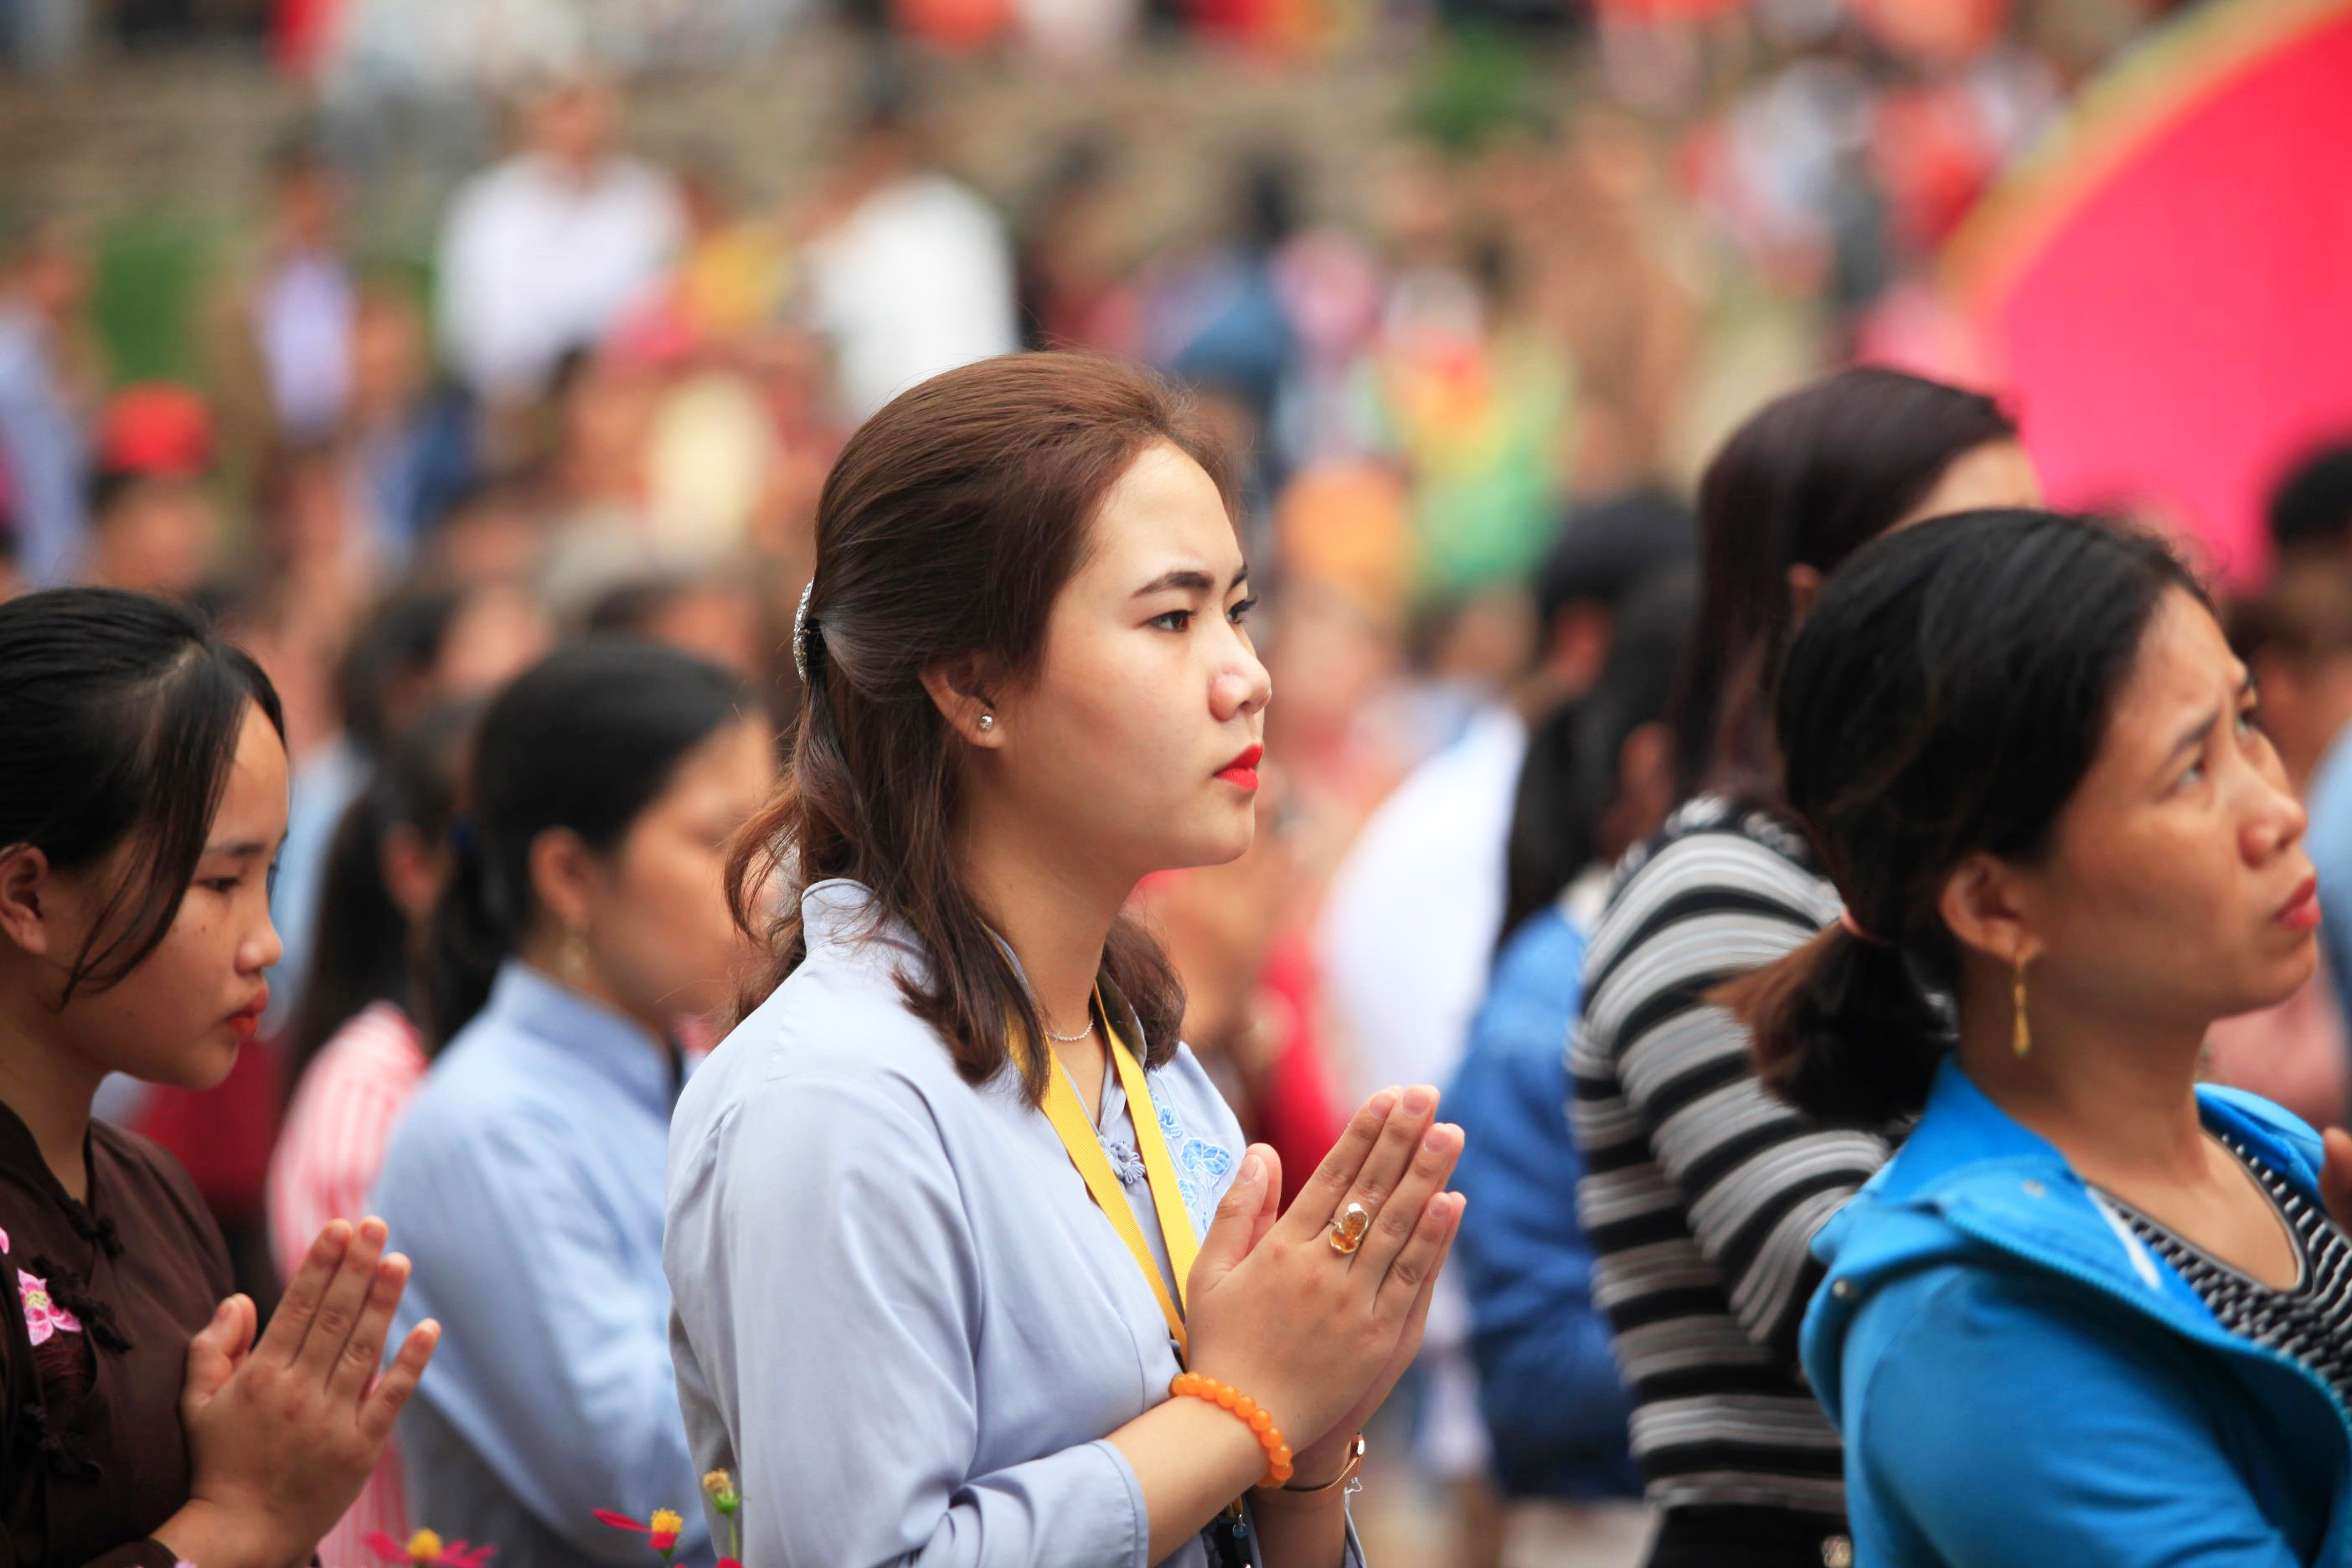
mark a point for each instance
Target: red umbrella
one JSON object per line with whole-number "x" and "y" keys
{"x": 2167, "y": 286}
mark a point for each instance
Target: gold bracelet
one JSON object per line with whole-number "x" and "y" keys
{"x": 1301, "y": 1494}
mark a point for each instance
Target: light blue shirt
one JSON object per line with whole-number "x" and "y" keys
{"x": 901, "y": 1321}
{"x": 326, "y": 784}
{"x": 525, "y": 1184}
{"x": 2328, "y": 842}
{"x": 43, "y": 450}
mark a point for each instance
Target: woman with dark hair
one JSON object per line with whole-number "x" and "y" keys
{"x": 584, "y": 917}
{"x": 1041, "y": 1308}
{"x": 2092, "y": 1313}
{"x": 1598, "y": 780}
{"x": 358, "y": 1054}
{"x": 143, "y": 799}
{"x": 1699, "y": 1191}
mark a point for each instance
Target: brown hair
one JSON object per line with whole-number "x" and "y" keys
{"x": 946, "y": 530}
{"x": 1945, "y": 698}
{"x": 1809, "y": 479}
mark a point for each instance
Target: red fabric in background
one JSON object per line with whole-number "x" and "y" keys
{"x": 2185, "y": 330}
{"x": 224, "y": 1135}
{"x": 1298, "y": 1113}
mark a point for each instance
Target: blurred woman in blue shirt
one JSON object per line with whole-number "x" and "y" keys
{"x": 586, "y": 917}
{"x": 1597, "y": 779}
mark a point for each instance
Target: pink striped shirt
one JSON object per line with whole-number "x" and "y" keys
{"x": 323, "y": 1169}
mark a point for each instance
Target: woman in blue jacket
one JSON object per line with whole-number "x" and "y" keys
{"x": 2093, "y": 1313}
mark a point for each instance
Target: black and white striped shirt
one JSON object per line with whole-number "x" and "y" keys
{"x": 2312, "y": 1321}
{"x": 1701, "y": 1191}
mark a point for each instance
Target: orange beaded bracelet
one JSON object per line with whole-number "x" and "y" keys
{"x": 1192, "y": 1385}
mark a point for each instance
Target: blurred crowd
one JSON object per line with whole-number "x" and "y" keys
{"x": 1472, "y": 394}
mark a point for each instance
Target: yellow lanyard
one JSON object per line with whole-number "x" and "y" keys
{"x": 1084, "y": 1145}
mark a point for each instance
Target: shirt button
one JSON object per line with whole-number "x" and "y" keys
{"x": 1842, "y": 1289}
{"x": 1837, "y": 1552}
{"x": 2036, "y": 1189}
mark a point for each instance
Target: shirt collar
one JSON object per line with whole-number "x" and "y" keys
{"x": 590, "y": 1034}
{"x": 839, "y": 913}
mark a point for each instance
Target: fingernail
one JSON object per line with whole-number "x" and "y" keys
{"x": 1420, "y": 1099}
{"x": 1383, "y": 1102}
{"x": 1252, "y": 1168}
{"x": 1441, "y": 1137}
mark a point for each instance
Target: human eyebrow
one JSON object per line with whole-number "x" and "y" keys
{"x": 242, "y": 849}
{"x": 1189, "y": 579}
{"x": 2193, "y": 736}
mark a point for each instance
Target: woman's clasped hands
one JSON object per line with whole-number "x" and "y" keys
{"x": 282, "y": 1432}
{"x": 1315, "y": 1334}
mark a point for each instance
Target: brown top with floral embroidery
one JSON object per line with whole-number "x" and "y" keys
{"x": 92, "y": 1455}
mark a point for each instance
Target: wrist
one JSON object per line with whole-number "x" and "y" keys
{"x": 1318, "y": 1473}
{"x": 205, "y": 1532}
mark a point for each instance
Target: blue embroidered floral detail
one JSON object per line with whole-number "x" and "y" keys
{"x": 1203, "y": 1168}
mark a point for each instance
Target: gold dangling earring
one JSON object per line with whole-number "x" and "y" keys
{"x": 2020, "y": 1038}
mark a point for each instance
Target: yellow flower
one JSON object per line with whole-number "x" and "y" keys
{"x": 720, "y": 1488}
{"x": 424, "y": 1546}
{"x": 665, "y": 1524}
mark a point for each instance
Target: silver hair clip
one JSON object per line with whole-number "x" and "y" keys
{"x": 800, "y": 633}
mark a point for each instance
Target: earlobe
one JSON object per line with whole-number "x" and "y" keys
{"x": 24, "y": 871}
{"x": 559, "y": 869}
{"x": 958, "y": 693}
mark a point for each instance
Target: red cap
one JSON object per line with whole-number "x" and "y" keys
{"x": 158, "y": 429}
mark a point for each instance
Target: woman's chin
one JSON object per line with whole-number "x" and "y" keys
{"x": 1214, "y": 847}
{"x": 204, "y": 1065}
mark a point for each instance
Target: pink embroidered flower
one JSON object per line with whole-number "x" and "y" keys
{"x": 43, "y": 1317}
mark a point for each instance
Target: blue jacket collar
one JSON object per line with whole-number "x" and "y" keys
{"x": 1973, "y": 1181}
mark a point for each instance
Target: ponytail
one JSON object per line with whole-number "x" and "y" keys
{"x": 466, "y": 940}
{"x": 1841, "y": 1029}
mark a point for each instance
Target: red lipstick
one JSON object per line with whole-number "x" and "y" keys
{"x": 245, "y": 1022}
{"x": 1243, "y": 770}
{"x": 2301, "y": 912}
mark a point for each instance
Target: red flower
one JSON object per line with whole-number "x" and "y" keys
{"x": 425, "y": 1550}
{"x": 661, "y": 1531}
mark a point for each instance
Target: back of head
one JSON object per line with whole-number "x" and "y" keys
{"x": 122, "y": 715}
{"x": 948, "y": 527}
{"x": 1803, "y": 483}
{"x": 1609, "y": 549}
{"x": 400, "y": 642}
{"x": 364, "y": 951}
{"x": 584, "y": 741}
{"x": 1945, "y": 698}
{"x": 1573, "y": 773}
{"x": 2310, "y": 510}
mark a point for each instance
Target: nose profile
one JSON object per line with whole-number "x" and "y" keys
{"x": 1242, "y": 689}
{"x": 2278, "y": 824}
{"x": 261, "y": 949}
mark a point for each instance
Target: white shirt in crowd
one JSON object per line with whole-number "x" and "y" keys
{"x": 1408, "y": 928}
{"x": 916, "y": 280}
{"x": 535, "y": 263}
